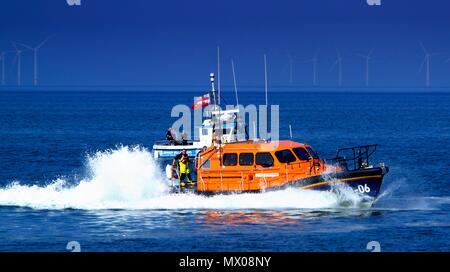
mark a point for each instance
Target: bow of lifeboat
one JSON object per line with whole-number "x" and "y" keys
{"x": 258, "y": 166}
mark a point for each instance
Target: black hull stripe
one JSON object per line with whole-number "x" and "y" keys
{"x": 375, "y": 174}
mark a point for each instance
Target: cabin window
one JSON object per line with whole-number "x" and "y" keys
{"x": 264, "y": 159}
{"x": 246, "y": 159}
{"x": 229, "y": 159}
{"x": 206, "y": 164}
{"x": 301, "y": 153}
{"x": 312, "y": 152}
{"x": 204, "y": 131}
{"x": 285, "y": 156}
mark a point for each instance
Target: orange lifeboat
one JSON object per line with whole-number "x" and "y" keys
{"x": 259, "y": 166}
{"x": 240, "y": 165}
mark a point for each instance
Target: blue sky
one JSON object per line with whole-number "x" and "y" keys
{"x": 141, "y": 42}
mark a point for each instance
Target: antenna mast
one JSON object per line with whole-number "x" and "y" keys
{"x": 235, "y": 85}
{"x": 218, "y": 74}
{"x": 265, "y": 79}
{"x": 265, "y": 87}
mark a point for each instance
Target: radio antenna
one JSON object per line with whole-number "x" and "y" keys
{"x": 265, "y": 87}
{"x": 218, "y": 74}
{"x": 235, "y": 85}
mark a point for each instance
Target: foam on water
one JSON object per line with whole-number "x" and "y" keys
{"x": 129, "y": 178}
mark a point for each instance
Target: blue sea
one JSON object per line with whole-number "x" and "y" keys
{"x": 77, "y": 166}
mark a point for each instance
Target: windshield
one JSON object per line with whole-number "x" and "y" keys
{"x": 312, "y": 152}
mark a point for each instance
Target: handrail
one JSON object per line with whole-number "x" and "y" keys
{"x": 359, "y": 153}
{"x": 173, "y": 142}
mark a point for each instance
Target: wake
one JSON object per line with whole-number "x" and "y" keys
{"x": 129, "y": 178}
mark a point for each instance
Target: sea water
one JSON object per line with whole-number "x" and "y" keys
{"x": 77, "y": 166}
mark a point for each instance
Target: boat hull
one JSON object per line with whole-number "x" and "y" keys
{"x": 363, "y": 181}
{"x": 366, "y": 182}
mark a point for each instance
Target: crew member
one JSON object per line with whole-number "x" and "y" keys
{"x": 184, "y": 138}
{"x": 185, "y": 171}
{"x": 170, "y": 136}
{"x": 182, "y": 160}
{"x": 216, "y": 141}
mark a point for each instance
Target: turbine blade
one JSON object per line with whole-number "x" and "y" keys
{"x": 42, "y": 43}
{"x": 289, "y": 55}
{"x": 13, "y": 63}
{"x": 423, "y": 63}
{"x": 334, "y": 65}
{"x": 362, "y": 56}
{"x": 306, "y": 61}
{"x": 14, "y": 45}
{"x": 423, "y": 48}
{"x": 24, "y": 45}
{"x": 315, "y": 56}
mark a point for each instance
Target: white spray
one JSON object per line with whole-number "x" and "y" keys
{"x": 129, "y": 178}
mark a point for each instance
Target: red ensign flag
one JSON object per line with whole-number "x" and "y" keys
{"x": 201, "y": 101}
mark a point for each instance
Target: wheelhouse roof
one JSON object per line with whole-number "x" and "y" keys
{"x": 261, "y": 145}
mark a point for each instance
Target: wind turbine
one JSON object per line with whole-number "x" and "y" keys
{"x": 35, "y": 53}
{"x": 19, "y": 58}
{"x": 447, "y": 61}
{"x": 426, "y": 61}
{"x": 367, "y": 58}
{"x": 338, "y": 63}
{"x": 2, "y": 59}
{"x": 291, "y": 69}
{"x": 291, "y": 66}
{"x": 314, "y": 67}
